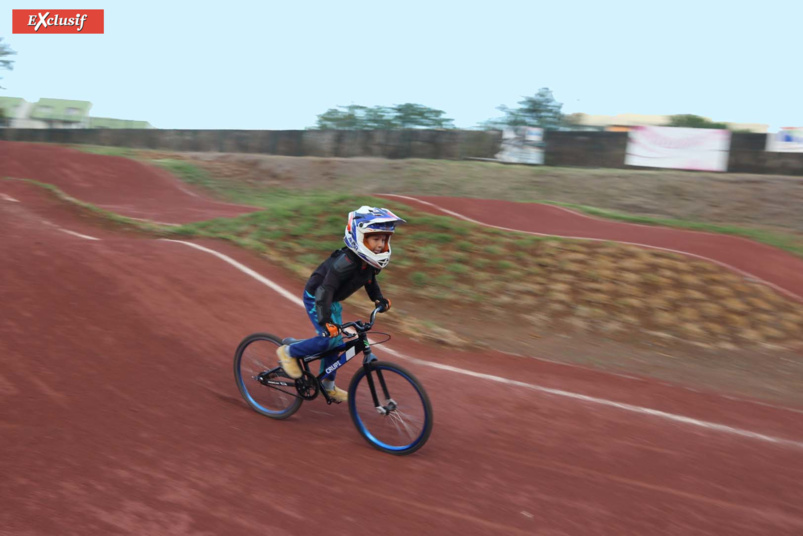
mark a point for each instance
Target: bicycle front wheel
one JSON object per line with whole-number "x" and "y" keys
{"x": 263, "y": 384}
{"x": 399, "y": 420}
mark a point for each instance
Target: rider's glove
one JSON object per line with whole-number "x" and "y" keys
{"x": 383, "y": 304}
{"x": 330, "y": 330}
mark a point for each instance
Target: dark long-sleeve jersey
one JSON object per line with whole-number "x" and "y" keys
{"x": 337, "y": 278}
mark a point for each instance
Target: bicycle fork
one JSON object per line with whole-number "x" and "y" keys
{"x": 366, "y": 363}
{"x": 391, "y": 404}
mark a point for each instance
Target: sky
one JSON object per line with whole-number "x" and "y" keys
{"x": 277, "y": 65}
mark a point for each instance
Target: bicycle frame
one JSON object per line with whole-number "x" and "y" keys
{"x": 350, "y": 348}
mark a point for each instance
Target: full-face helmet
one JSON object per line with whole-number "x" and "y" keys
{"x": 364, "y": 222}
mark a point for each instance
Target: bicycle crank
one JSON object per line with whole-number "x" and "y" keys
{"x": 307, "y": 386}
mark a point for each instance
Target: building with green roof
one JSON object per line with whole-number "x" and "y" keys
{"x": 11, "y": 108}
{"x": 16, "y": 112}
{"x": 61, "y": 113}
{"x": 106, "y": 122}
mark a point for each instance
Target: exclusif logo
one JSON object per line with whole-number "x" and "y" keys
{"x": 57, "y": 21}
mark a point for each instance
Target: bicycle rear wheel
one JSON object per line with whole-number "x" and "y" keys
{"x": 264, "y": 385}
{"x": 400, "y": 421}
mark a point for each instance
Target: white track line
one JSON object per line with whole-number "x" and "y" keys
{"x": 51, "y": 224}
{"x": 679, "y": 418}
{"x": 187, "y": 191}
{"x": 78, "y": 234}
{"x": 648, "y": 246}
{"x": 244, "y": 269}
{"x": 557, "y": 392}
{"x": 609, "y": 403}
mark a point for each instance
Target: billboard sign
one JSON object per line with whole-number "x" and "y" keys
{"x": 698, "y": 149}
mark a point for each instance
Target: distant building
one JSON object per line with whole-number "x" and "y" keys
{"x": 105, "y": 122}
{"x": 12, "y": 110}
{"x": 624, "y": 122}
{"x": 59, "y": 113}
{"x": 56, "y": 113}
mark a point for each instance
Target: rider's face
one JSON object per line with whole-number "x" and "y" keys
{"x": 377, "y": 242}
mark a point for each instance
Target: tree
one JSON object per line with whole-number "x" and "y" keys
{"x": 409, "y": 115}
{"x": 378, "y": 118}
{"x": 693, "y": 121}
{"x": 540, "y": 110}
{"x": 5, "y": 50}
{"x": 347, "y": 118}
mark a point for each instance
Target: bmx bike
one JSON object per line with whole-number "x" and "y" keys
{"x": 388, "y": 405}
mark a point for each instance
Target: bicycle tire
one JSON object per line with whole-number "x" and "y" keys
{"x": 410, "y": 423}
{"x": 250, "y": 361}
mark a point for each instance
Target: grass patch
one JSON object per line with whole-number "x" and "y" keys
{"x": 105, "y": 150}
{"x": 419, "y": 279}
{"x": 458, "y": 269}
{"x": 480, "y": 262}
{"x": 192, "y": 174}
{"x": 441, "y": 238}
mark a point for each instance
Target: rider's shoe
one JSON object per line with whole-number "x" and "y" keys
{"x": 337, "y": 394}
{"x": 289, "y": 364}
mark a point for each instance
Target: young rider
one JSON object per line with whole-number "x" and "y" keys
{"x": 367, "y": 252}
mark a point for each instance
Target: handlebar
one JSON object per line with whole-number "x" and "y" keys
{"x": 359, "y": 325}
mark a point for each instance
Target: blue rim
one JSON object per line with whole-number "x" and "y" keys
{"x": 361, "y": 426}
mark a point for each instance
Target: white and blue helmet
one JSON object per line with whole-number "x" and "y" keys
{"x": 370, "y": 220}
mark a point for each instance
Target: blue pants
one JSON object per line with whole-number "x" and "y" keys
{"x": 319, "y": 344}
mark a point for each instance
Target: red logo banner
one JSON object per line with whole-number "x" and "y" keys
{"x": 57, "y": 21}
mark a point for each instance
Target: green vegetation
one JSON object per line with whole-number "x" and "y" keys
{"x": 106, "y": 150}
{"x": 296, "y": 229}
{"x": 5, "y": 50}
{"x": 194, "y": 175}
{"x": 694, "y": 121}
{"x": 540, "y": 110}
{"x": 551, "y": 282}
{"x": 408, "y": 115}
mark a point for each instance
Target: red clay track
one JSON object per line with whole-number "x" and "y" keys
{"x": 782, "y": 270}
{"x": 121, "y": 185}
{"x": 119, "y": 415}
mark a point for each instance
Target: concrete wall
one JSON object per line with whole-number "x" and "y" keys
{"x": 437, "y": 144}
{"x": 586, "y": 149}
{"x": 747, "y": 155}
{"x": 583, "y": 149}
{"x": 607, "y": 150}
